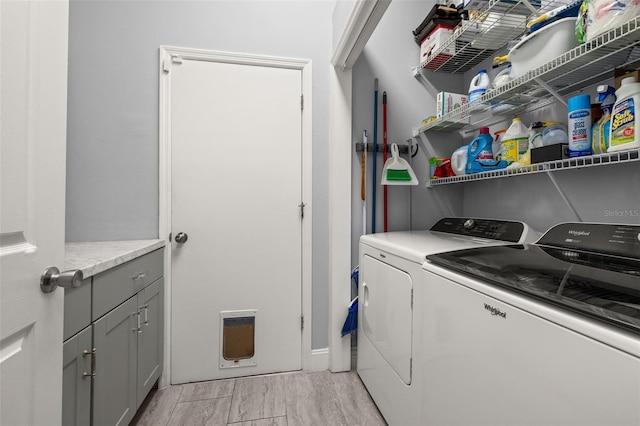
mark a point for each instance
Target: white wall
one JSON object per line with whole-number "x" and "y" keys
{"x": 112, "y": 158}
{"x": 596, "y": 193}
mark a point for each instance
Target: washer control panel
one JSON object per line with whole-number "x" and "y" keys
{"x": 614, "y": 239}
{"x": 502, "y": 230}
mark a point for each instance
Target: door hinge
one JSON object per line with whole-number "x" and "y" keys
{"x": 302, "y": 102}
{"x": 411, "y": 298}
{"x": 301, "y": 322}
{"x": 166, "y": 64}
{"x": 302, "y": 205}
{"x": 410, "y": 367}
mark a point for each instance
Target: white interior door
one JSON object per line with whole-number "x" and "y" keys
{"x": 236, "y": 187}
{"x": 33, "y": 97}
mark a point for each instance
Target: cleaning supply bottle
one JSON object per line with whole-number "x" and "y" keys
{"x": 624, "y": 134}
{"x": 601, "y": 129}
{"x": 515, "y": 141}
{"x": 554, "y": 133}
{"x": 495, "y": 147}
{"x": 479, "y": 85}
{"x": 535, "y": 140}
{"x": 535, "y": 134}
{"x": 459, "y": 160}
{"x": 579, "y": 125}
{"x": 480, "y": 156}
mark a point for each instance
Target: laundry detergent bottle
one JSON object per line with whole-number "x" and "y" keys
{"x": 624, "y": 131}
{"x": 479, "y": 85}
{"x": 480, "y": 155}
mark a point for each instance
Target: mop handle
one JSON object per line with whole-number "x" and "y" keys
{"x": 375, "y": 156}
{"x": 362, "y": 191}
{"x": 384, "y": 156}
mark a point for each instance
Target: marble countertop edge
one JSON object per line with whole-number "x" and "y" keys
{"x": 98, "y": 256}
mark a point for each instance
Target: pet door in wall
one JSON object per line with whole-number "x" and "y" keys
{"x": 237, "y": 338}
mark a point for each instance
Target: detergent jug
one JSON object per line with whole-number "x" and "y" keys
{"x": 459, "y": 160}
{"x": 480, "y": 155}
{"x": 515, "y": 141}
{"x": 624, "y": 130}
{"x": 479, "y": 85}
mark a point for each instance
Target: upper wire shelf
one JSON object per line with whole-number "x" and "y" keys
{"x": 487, "y": 30}
{"x": 583, "y": 66}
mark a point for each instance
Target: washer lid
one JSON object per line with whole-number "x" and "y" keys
{"x": 599, "y": 285}
{"x": 416, "y": 245}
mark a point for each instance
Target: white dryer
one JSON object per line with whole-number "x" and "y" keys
{"x": 390, "y": 323}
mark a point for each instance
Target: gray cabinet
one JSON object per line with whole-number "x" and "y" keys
{"x": 115, "y": 338}
{"x": 150, "y": 338}
{"x": 121, "y": 342}
{"x": 76, "y": 379}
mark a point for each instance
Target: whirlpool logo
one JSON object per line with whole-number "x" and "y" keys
{"x": 495, "y": 311}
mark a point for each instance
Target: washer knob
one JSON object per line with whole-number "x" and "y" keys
{"x": 469, "y": 224}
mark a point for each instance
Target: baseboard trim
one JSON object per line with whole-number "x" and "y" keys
{"x": 320, "y": 359}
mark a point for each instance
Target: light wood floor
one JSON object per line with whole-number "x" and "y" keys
{"x": 287, "y": 399}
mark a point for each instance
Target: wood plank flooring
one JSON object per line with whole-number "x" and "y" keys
{"x": 287, "y": 399}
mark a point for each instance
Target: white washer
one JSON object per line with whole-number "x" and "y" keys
{"x": 535, "y": 334}
{"x": 390, "y": 323}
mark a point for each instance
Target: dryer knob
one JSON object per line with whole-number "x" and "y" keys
{"x": 469, "y": 224}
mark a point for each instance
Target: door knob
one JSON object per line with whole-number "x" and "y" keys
{"x": 52, "y": 278}
{"x": 181, "y": 237}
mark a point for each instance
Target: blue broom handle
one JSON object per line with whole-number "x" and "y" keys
{"x": 375, "y": 155}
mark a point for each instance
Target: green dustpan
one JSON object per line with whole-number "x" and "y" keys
{"x": 397, "y": 171}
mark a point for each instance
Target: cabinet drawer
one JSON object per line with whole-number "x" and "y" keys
{"x": 77, "y": 308}
{"x": 114, "y": 286}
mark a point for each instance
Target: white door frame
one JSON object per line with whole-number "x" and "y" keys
{"x": 364, "y": 18}
{"x": 169, "y": 55}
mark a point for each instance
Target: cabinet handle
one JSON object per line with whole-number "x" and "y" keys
{"x": 92, "y": 352}
{"x": 140, "y": 275}
{"x": 146, "y": 314}
{"x": 137, "y": 327}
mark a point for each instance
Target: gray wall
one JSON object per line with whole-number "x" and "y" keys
{"x": 112, "y": 159}
{"x": 391, "y": 55}
{"x": 598, "y": 194}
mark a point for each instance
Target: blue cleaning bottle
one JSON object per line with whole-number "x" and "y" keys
{"x": 480, "y": 156}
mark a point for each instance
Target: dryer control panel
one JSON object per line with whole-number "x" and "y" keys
{"x": 502, "y": 230}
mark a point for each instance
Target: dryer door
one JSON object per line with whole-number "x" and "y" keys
{"x": 387, "y": 313}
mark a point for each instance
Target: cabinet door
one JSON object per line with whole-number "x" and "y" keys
{"x": 114, "y": 389}
{"x": 150, "y": 306}
{"x": 76, "y": 386}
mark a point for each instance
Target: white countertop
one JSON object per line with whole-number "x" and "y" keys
{"x": 95, "y": 257}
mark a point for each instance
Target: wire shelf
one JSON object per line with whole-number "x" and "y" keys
{"x": 578, "y": 68}
{"x": 487, "y": 30}
{"x": 566, "y": 164}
